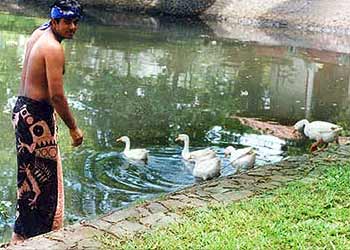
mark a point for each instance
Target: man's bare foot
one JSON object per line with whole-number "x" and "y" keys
{"x": 16, "y": 239}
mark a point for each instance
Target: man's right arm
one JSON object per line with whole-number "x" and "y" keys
{"x": 54, "y": 62}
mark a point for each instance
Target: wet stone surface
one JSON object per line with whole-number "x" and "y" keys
{"x": 159, "y": 213}
{"x": 297, "y": 14}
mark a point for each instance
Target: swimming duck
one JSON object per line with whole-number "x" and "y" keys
{"x": 322, "y": 132}
{"x": 241, "y": 158}
{"x": 134, "y": 154}
{"x": 187, "y": 155}
{"x": 202, "y": 157}
{"x": 207, "y": 168}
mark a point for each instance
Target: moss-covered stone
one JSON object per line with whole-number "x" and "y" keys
{"x": 168, "y": 7}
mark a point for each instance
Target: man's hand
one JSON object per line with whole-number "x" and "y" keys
{"x": 77, "y": 136}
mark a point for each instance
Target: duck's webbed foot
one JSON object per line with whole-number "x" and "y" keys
{"x": 314, "y": 147}
{"x": 337, "y": 140}
{"x": 325, "y": 145}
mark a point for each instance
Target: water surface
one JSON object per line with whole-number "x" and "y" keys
{"x": 152, "y": 84}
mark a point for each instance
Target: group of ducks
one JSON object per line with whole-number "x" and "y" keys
{"x": 207, "y": 164}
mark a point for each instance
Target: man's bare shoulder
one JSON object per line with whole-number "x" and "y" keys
{"x": 36, "y": 34}
{"x": 34, "y": 37}
{"x": 49, "y": 45}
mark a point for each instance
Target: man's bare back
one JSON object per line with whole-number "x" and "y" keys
{"x": 34, "y": 76}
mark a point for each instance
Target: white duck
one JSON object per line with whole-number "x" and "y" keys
{"x": 207, "y": 168}
{"x": 322, "y": 132}
{"x": 134, "y": 154}
{"x": 187, "y": 155}
{"x": 194, "y": 157}
{"x": 241, "y": 158}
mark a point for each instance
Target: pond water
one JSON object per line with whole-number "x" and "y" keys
{"x": 154, "y": 84}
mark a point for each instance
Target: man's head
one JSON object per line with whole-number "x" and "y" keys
{"x": 65, "y": 15}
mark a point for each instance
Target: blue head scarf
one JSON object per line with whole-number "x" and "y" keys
{"x": 70, "y": 13}
{"x": 58, "y": 13}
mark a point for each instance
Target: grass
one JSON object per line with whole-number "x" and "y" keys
{"x": 313, "y": 215}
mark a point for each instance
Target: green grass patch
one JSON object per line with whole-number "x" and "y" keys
{"x": 313, "y": 215}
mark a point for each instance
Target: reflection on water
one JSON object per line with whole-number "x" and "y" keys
{"x": 152, "y": 86}
{"x": 269, "y": 149}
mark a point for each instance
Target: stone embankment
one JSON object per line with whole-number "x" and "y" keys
{"x": 317, "y": 24}
{"x": 311, "y": 15}
{"x": 169, "y": 209}
{"x": 154, "y": 7}
{"x": 169, "y": 7}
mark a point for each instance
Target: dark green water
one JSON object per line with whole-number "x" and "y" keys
{"x": 154, "y": 84}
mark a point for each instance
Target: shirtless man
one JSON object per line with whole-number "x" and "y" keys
{"x": 40, "y": 186}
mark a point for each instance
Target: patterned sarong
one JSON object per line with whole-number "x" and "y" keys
{"x": 39, "y": 176}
